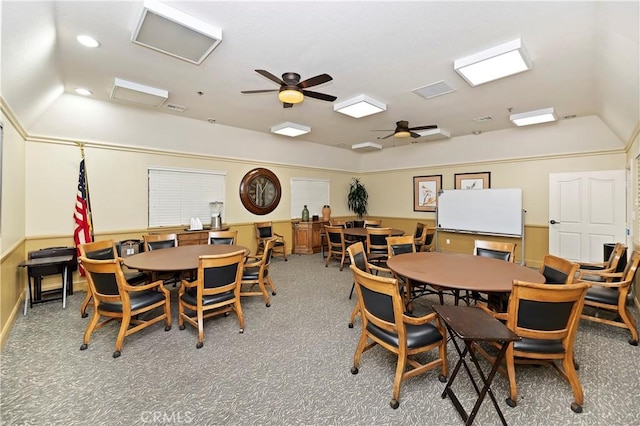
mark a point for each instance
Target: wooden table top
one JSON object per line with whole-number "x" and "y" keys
{"x": 362, "y": 232}
{"x": 42, "y": 261}
{"x": 462, "y": 271}
{"x": 181, "y": 258}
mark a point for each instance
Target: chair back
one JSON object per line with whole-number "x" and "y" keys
{"x": 419, "y": 235}
{"x": 220, "y": 273}
{"x": 546, "y": 313}
{"x": 618, "y": 258}
{"x": 400, "y": 245}
{"x": 105, "y": 278}
{"x": 380, "y": 302}
{"x": 358, "y": 256}
{"x": 377, "y": 240}
{"x": 372, "y": 223}
{"x": 631, "y": 268}
{"x": 335, "y": 236}
{"x": 98, "y": 250}
{"x": 222, "y": 237}
{"x": 495, "y": 249}
{"x": 557, "y": 270}
{"x": 264, "y": 230}
{"x": 159, "y": 241}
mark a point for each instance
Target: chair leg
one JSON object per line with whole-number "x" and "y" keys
{"x": 239, "y": 313}
{"x": 359, "y": 350}
{"x": 200, "y": 316}
{"x": 353, "y": 286}
{"x": 263, "y": 290}
{"x": 397, "y": 381}
{"x": 90, "y": 327}
{"x": 628, "y": 320}
{"x": 124, "y": 326}
{"x": 511, "y": 373}
{"x": 572, "y": 378}
{"x": 342, "y": 262}
{"x": 273, "y": 287}
{"x": 85, "y": 304}
{"x": 354, "y": 314}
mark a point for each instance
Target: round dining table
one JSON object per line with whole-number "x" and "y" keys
{"x": 460, "y": 271}
{"x": 181, "y": 258}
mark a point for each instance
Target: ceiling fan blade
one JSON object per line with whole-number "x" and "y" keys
{"x": 287, "y": 105}
{"x": 259, "y": 91}
{"x": 271, "y": 77}
{"x": 415, "y": 135}
{"x": 314, "y": 81}
{"x": 321, "y": 96}
{"x": 388, "y": 136}
{"x": 433, "y": 126}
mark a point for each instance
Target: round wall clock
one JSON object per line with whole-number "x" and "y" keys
{"x": 260, "y": 191}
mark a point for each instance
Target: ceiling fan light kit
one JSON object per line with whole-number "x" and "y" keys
{"x": 290, "y": 129}
{"x": 494, "y": 63}
{"x": 290, "y": 96}
{"x": 360, "y": 106}
{"x": 539, "y": 116}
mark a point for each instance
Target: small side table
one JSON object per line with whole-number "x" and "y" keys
{"x": 46, "y": 261}
{"x": 472, "y": 324}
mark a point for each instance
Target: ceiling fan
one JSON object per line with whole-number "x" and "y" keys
{"x": 404, "y": 131}
{"x": 292, "y": 90}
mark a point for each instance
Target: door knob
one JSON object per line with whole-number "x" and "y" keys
{"x": 553, "y": 222}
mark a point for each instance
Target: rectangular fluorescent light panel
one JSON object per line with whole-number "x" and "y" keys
{"x": 544, "y": 115}
{"x": 491, "y": 64}
{"x": 290, "y": 129}
{"x": 434, "y": 132}
{"x": 175, "y": 33}
{"x": 366, "y": 146}
{"x": 138, "y": 94}
{"x": 360, "y": 106}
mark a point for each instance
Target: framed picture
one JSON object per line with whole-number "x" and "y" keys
{"x": 481, "y": 180}
{"x": 425, "y": 192}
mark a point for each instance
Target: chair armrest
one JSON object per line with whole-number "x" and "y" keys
{"x": 592, "y": 265}
{"x": 189, "y": 284}
{"x": 618, "y": 284}
{"x": 257, "y": 262}
{"x": 407, "y": 319}
{"x": 380, "y": 269}
{"x": 497, "y": 315}
{"x": 143, "y": 287}
{"x": 278, "y": 235}
{"x": 607, "y": 275}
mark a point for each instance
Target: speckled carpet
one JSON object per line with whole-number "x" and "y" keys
{"x": 290, "y": 367}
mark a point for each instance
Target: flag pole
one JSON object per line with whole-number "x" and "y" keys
{"x": 86, "y": 178}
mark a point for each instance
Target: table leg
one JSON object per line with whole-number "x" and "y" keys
{"x": 27, "y": 294}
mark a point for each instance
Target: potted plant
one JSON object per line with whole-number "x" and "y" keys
{"x": 357, "y": 199}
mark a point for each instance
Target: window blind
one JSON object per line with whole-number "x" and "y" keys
{"x": 176, "y": 195}
{"x": 314, "y": 193}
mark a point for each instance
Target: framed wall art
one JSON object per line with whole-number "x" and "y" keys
{"x": 425, "y": 192}
{"x": 481, "y": 180}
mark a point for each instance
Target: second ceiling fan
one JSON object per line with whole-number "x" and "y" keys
{"x": 292, "y": 90}
{"x": 404, "y": 131}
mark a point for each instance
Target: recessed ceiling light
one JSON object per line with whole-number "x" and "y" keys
{"x": 83, "y": 92}
{"x": 87, "y": 41}
{"x": 360, "y": 106}
{"x": 290, "y": 129}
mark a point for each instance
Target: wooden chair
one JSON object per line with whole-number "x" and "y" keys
{"x": 495, "y": 250}
{"x": 105, "y": 250}
{"x": 372, "y": 223}
{"x": 376, "y": 244}
{"x": 615, "y": 263}
{"x": 546, "y": 317}
{"x": 264, "y": 232}
{"x": 358, "y": 257}
{"x": 159, "y": 242}
{"x": 611, "y": 295}
{"x": 337, "y": 246}
{"x": 256, "y": 271}
{"x": 222, "y": 237}
{"x": 216, "y": 291}
{"x": 424, "y": 237}
{"x": 384, "y": 323}
{"x": 116, "y": 299}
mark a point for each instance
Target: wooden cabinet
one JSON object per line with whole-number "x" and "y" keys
{"x": 307, "y": 236}
{"x": 191, "y": 238}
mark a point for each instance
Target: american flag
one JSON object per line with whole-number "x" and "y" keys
{"x": 83, "y": 231}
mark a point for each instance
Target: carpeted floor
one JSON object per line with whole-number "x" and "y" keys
{"x": 290, "y": 367}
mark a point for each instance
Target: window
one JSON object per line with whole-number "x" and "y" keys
{"x": 177, "y": 195}
{"x": 314, "y": 193}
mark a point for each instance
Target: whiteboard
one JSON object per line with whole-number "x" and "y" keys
{"x": 485, "y": 211}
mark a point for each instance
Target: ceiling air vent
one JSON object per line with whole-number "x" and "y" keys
{"x": 175, "y": 33}
{"x": 176, "y": 108}
{"x": 434, "y": 89}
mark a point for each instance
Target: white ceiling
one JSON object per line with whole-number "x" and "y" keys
{"x": 585, "y": 61}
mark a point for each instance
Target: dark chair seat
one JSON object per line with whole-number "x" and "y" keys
{"x": 418, "y": 336}
{"x": 539, "y": 346}
{"x": 139, "y": 300}
{"x": 253, "y": 273}
{"x": 190, "y": 297}
{"x": 602, "y": 295}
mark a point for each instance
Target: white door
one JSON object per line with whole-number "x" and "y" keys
{"x": 586, "y": 210}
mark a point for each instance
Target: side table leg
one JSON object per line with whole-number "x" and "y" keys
{"x": 27, "y": 294}
{"x": 64, "y": 286}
